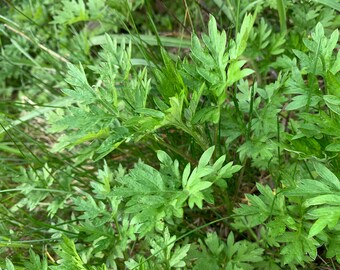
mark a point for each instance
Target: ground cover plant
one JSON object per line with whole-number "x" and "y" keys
{"x": 161, "y": 134}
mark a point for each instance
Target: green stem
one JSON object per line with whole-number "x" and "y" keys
{"x": 282, "y": 14}
{"x": 255, "y": 68}
{"x": 217, "y": 134}
{"x": 225, "y": 9}
{"x": 240, "y": 178}
{"x": 278, "y": 145}
{"x": 250, "y": 112}
{"x": 201, "y": 140}
{"x": 312, "y": 77}
{"x": 228, "y": 203}
{"x": 237, "y": 108}
{"x": 308, "y": 170}
{"x": 237, "y": 23}
{"x": 175, "y": 150}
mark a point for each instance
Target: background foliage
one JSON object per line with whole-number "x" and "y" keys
{"x": 156, "y": 135}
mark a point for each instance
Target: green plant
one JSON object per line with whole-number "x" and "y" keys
{"x": 303, "y": 216}
{"x": 125, "y": 148}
